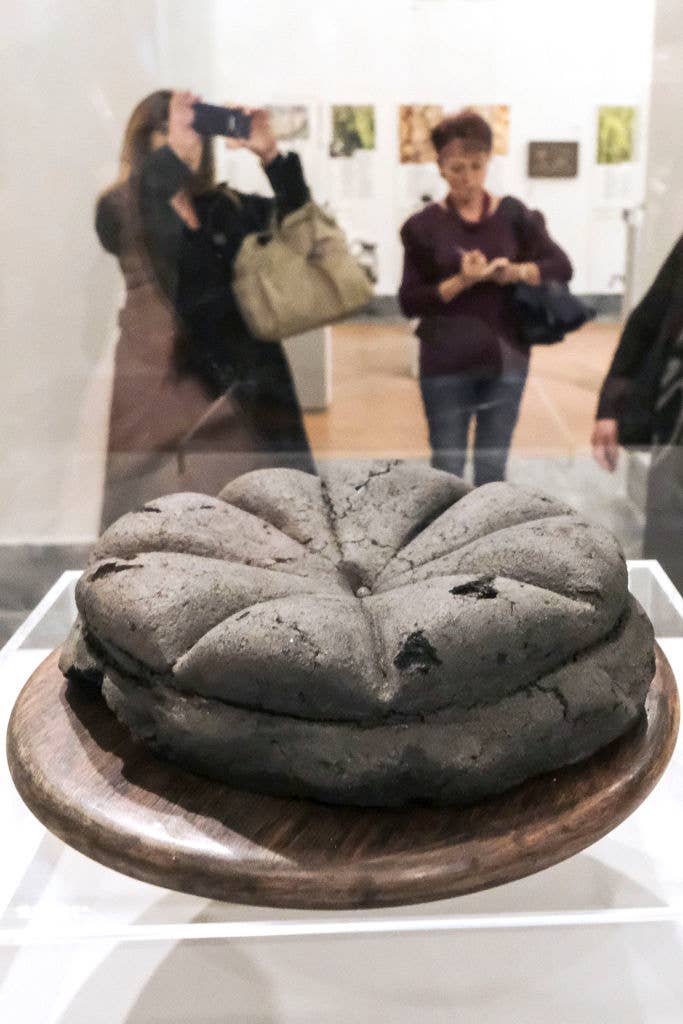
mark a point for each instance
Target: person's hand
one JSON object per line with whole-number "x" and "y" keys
{"x": 501, "y": 270}
{"x": 514, "y": 273}
{"x": 605, "y": 443}
{"x": 261, "y": 139}
{"x": 474, "y": 267}
{"x": 182, "y": 138}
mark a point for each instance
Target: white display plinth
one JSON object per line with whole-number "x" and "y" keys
{"x": 599, "y": 936}
{"x": 310, "y": 360}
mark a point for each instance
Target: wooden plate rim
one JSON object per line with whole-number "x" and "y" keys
{"x": 629, "y": 768}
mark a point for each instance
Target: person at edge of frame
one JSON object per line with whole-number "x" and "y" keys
{"x": 641, "y": 406}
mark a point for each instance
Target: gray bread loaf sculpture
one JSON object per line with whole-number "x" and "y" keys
{"x": 381, "y": 636}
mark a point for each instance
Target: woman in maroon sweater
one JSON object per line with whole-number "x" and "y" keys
{"x": 462, "y": 257}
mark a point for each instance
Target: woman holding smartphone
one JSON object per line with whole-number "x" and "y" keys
{"x": 197, "y": 399}
{"x": 462, "y": 255}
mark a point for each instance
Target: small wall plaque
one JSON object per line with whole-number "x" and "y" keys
{"x": 553, "y": 159}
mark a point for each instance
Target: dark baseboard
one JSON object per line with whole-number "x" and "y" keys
{"x": 385, "y": 308}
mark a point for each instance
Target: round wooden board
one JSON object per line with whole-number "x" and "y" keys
{"x": 84, "y": 777}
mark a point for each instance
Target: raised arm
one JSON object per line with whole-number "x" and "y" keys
{"x": 286, "y": 177}
{"x": 419, "y": 292}
{"x": 284, "y": 172}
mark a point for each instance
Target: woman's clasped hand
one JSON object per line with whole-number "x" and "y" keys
{"x": 476, "y": 267}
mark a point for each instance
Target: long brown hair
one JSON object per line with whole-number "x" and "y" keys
{"x": 151, "y": 114}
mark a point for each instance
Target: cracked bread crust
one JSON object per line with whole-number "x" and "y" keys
{"x": 380, "y": 636}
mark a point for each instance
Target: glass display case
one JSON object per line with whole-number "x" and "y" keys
{"x": 129, "y": 374}
{"x": 82, "y": 930}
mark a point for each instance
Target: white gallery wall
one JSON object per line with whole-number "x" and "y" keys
{"x": 69, "y": 71}
{"x": 73, "y": 71}
{"x": 553, "y": 63}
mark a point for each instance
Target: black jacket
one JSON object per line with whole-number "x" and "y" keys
{"x": 194, "y": 268}
{"x": 630, "y": 389}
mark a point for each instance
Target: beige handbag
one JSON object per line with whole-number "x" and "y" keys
{"x": 298, "y": 275}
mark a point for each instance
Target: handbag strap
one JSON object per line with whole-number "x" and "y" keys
{"x": 232, "y": 194}
{"x": 274, "y": 223}
{"x": 314, "y": 214}
{"x": 516, "y": 214}
{"x": 183, "y": 442}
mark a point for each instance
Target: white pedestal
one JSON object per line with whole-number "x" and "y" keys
{"x": 598, "y": 937}
{"x": 310, "y": 359}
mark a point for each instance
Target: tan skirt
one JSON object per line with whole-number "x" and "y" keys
{"x": 166, "y": 432}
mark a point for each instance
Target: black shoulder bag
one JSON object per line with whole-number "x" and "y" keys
{"x": 546, "y": 312}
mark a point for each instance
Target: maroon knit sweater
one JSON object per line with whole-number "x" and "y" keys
{"x": 469, "y": 332}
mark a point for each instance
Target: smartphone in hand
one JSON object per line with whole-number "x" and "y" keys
{"x": 214, "y": 120}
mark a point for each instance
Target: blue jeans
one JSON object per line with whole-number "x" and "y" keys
{"x": 452, "y": 400}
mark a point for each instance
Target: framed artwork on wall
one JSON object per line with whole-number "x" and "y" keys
{"x": 616, "y": 135}
{"x": 415, "y": 123}
{"x": 553, "y": 160}
{"x": 290, "y": 121}
{"x": 498, "y": 116}
{"x": 353, "y": 128}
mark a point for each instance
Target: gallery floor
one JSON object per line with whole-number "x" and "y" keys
{"x": 376, "y": 411}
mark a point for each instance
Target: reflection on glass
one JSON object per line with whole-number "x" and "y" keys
{"x": 196, "y": 398}
{"x": 463, "y": 255}
{"x": 641, "y": 404}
